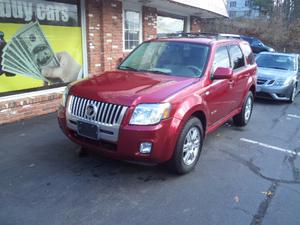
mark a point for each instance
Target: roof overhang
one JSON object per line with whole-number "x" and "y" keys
{"x": 209, "y": 8}
{"x": 199, "y": 8}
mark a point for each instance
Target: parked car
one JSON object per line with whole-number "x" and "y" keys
{"x": 278, "y": 76}
{"x": 257, "y": 45}
{"x": 162, "y": 101}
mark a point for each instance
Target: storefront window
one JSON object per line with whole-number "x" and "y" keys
{"x": 40, "y": 44}
{"x": 170, "y": 24}
{"x": 131, "y": 29}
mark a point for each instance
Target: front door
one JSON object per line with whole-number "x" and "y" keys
{"x": 219, "y": 91}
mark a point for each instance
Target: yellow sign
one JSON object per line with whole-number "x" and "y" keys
{"x": 40, "y": 44}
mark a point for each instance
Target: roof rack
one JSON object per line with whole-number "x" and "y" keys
{"x": 197, "y": 35}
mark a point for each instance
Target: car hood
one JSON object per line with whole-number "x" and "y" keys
{"x": 130, "y": 88}
{"x": 273, "y": 74}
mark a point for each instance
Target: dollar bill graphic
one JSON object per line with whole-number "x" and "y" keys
{"x": 12, "y": 69}
{"x": 16, "y": 48}
{"x": 10, "y": 55}
{"x": 29, "y": 52}
{"x": 32, "y": 40}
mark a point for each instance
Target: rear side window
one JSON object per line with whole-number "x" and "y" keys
{"x": 250, "y": 58}
{"x": 236, "y": 56}
{"x": 221, "y": 59}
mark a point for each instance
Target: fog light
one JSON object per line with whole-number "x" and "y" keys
{"x": 145, "y": 147}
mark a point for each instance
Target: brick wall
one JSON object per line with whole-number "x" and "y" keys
{"x": 149, "y": 23}
{"x": 195, "y": 24}
{"x": 112, "y": 33}
{"x": 27, "y": 107}
{"x": 94, "y": 37}
{"x": 104, "y": 34}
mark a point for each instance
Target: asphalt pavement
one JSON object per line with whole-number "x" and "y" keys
{"x": 245, "y": 176}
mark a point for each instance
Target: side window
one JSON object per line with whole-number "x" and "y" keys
{"x": 236, "y": 56}
{"x": 221, "y": 59}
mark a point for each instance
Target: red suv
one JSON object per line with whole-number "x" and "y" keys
{"x": 162, "y": 101}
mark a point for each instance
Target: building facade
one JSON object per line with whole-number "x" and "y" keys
{"x": 242, "y": 8}
{"x": 47, "y": 44}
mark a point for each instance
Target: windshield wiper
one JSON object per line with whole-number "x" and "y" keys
{"x": 128, "y": 68}
{"x": 156, "y": 71}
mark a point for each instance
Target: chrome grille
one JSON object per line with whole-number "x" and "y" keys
{"x": 105, "y": 113}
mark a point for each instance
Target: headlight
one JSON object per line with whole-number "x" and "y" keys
{"x": 65, "y": 96}
{"x": 149, "y": 114}
{"x": 283, "y": 82}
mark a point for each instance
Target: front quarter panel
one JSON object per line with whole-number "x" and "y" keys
{"x": 184, "y": 107}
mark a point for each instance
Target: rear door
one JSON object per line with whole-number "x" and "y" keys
{"x": 243, "y": 68}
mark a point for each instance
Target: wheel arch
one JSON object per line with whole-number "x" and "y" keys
{"x": 253, "y": 90}
{"x": 201, "y": 116}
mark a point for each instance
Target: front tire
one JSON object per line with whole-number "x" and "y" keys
{"x": 188, "y": 147}
{"x": 244, "y": 116}
{"x": 293, "y": 94}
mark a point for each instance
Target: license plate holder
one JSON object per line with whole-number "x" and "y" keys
{"x": 87, "y": 130}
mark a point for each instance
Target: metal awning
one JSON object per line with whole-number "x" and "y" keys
{"x": 211, "y": 8}
{"x": 199, "y": 8}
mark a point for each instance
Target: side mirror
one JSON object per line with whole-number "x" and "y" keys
{"x": 223, "y": 73}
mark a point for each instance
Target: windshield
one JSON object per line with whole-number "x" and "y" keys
{"x": 169, "y": 58}
{"x": 281, "y": 62}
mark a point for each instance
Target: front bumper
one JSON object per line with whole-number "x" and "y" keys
{"x": 273, "y": 92}
{"x": 162, "y": 136}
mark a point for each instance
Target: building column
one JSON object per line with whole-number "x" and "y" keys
{"x": 93, "y": 32}
{"x": 149, "y": 23}
{"x": 104, "y": 34}
{"x": 112, "y": 33}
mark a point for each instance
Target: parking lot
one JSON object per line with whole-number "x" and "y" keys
{"x": 245, "y": 175}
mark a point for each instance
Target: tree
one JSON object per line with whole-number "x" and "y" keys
{"x": 296, "y": 10}
{"x": 265, "y": 6}
{"x": 291, "y": 10}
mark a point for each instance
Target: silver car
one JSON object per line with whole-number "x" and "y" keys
{"x": 278, "y": 76}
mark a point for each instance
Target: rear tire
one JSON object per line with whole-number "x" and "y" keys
{"x": 244, "y": 116}
{"x": 188, "y": 147}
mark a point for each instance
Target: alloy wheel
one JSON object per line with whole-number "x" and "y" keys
{"x": 191, "y": 146}
{"x": 248, "y": 109}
